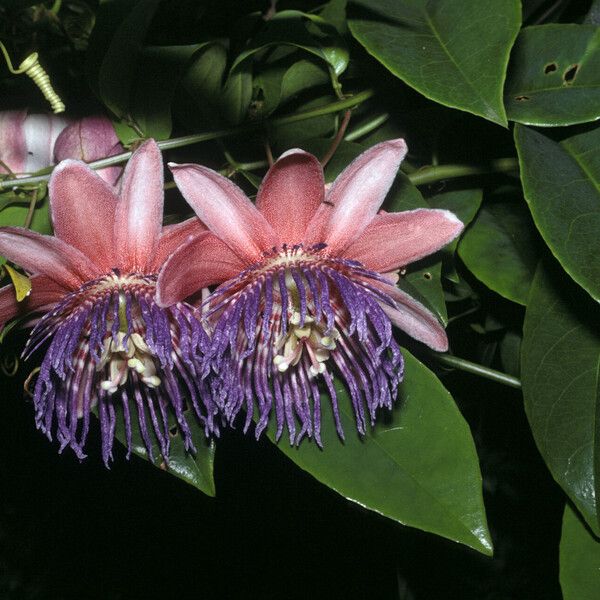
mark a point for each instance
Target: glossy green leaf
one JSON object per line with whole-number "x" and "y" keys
{"x": 554, "y": 75}
{"x": 561, "y": 182}
{"x": 455, "y": 53}
{"x": 237, "y": 94}
{"x": 203, "y": 82}
{"x": 579, "y": 559}
{"x": 418, "y": 467}
{"x": 116, "y": 76}
{"x": 196, "y": 470}
{"x": 560, "y": 373}
{"x": 305, "y": 31}
{"x": 500, "y": 248}
{"x": 427, "y": 281}
{"x": 277, "y": 85}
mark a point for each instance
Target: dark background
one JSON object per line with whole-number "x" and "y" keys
{"x": 71, "y": 530}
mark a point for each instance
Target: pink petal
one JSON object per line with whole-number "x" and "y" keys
{"x": 226, "y": 211}
{"x": 204, "y": 260}
{"x": 44, "y": 292}
{"x": 13, "y": 152}
{"x": 355, "y": 196}
{"x": 82, "y": 206}
{"x": 173, "y": 236}
{"x": 47, "y": 255}
{"x": 139, "y": 213}
{"x": 413, "y": 318}
{"x": 89, "y": 139}
{"x": 290, "y": 194}
{"x": 393, "y": 240}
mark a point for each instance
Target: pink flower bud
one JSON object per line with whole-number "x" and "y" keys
{"x": 27, "y": 141}
{"x": 89, "y": 139}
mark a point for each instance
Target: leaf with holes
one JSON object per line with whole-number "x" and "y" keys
{"x": 560, "y": 372}
{"x": 579, "y": 559}
{"x": 439, "y": 49}
{"x": 419, "y": 467}
{"x": 554, "y": 75}
{"x": 500, "y": 248}
{"x": 561, "y": 182}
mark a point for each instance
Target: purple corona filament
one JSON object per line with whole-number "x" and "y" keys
{"x": 109, "y": 345}
{"x": 292, "y": 321}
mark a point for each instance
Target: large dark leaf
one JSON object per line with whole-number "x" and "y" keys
{"x": 418, "y": 466}
{"x": 561, "y": 182}
{"x": 159, "y": 72}
{"x": 455, "y": 53}
{"x": 579, "y": 559}
{"x": 500, "y": 248}
{"x": 560, "y": 374}
{"x": 116, "y": 74}
{"x": 554, "y": 75}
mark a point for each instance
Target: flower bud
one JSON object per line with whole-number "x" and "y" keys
{"x": 89, "y": 139}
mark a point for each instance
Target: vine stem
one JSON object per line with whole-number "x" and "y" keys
{"x": 437, "y": 172}
{"x": 188, "y": 140}
{"x": 475, "y": 369}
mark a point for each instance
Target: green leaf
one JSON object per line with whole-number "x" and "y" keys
{"x": 305, "y": 31}
{"x": 195, "y": 470}
{"x": 454, "y": 53}
{"x": 116, "y": 76}
{"x": 561, "y": 182}
{"x": 554, "y": 75}
{"x": 237, "y": 94}
{"x": 560, "y": 373}
{"x": 159, "y": 72}
{"x": 500, "y": 248}
{"x": 203, "y": 82}
{"x": 419, "y": 467}
{"x": 278, "y": 85}
{"x": 16, "y": 213}
{"x": 579, "y": 559}
{"x": 427, "y": 282}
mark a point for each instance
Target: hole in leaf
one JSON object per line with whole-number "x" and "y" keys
{"x": 550, "y": 68}
{"x": 570, "y": 73}
{"x": 521, "y": 98}
{"x": 427, "y": 276}
{"x": 173, "y": 431}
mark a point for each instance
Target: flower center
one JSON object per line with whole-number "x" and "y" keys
{"x": 302, "y": 332}
{"x": 123, "y": 353}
